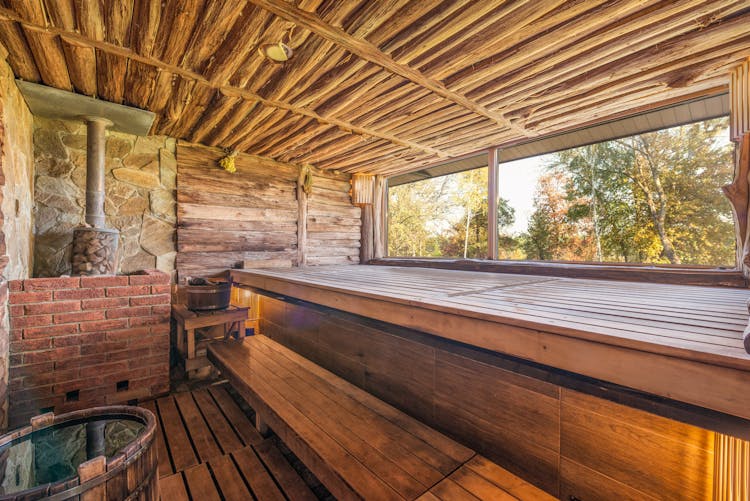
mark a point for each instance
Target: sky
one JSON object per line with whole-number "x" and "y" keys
{"x": 518, "y": 181}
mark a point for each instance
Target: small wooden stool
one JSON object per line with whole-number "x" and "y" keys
{"x": 232, "y": 319}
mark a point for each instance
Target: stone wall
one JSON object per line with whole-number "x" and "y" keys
{"x": 140, "y": 196}
{"x": 79, "y": 342}
{"x": 16, "y": 174}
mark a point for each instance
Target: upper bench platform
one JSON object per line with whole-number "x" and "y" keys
{"x": 676, "y": 341}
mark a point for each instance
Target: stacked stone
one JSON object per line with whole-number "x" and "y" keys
{"x": 140, "y": 196}
{"x": 95, "y": 251}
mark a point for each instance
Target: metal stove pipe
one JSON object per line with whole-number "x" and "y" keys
{"x": 95, "y": 172}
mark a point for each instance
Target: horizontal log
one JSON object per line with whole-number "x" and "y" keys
{"x": 222, "y": 213}
{"x": 213, "y": 224}
{"x": 261, "y": 199}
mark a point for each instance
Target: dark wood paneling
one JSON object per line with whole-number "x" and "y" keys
{"x": 663, "y": 459}
{"x": 515, "y": 413}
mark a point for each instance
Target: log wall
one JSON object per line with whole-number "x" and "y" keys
{"x": 250, "y": 218}
{"x": 572, "y": 444}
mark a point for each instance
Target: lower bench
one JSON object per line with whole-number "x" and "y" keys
{"x": 357, "y": 445}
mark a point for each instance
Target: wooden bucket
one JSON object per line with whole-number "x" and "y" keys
{"x": 129, "y": 474}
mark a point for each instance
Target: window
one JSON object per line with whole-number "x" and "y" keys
{"x": 440, "y": 217}
{"x": 652, "y": 198}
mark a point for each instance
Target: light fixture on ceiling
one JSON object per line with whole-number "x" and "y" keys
{"x": 279, "y": 52}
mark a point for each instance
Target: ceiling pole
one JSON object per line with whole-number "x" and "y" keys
{"x": 493, "y": 186}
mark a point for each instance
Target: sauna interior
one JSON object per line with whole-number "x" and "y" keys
{"x": 375, "y": 249}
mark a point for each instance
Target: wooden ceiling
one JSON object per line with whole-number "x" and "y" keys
{"x": 381, "y": 86}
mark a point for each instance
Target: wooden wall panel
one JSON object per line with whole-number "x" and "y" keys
{"x": 653, "y": 455}
{"x": 332, "y": 222}
{"x": 564, "y": 441}
{"x": 224, "y": 219}
{"x": 250, "y": 218}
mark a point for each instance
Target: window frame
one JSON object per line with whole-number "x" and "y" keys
{"x": 641, "y": 272}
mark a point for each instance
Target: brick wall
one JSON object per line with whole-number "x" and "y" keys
{"x": 79, "y": 342}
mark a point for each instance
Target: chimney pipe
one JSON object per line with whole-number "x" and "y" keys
{"x": 95, "y": 148}
{"x": 95, "y": 247}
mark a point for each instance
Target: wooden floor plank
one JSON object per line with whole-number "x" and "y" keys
{"x": 165, "y": 463}
{"x": 200, "y": 484}
{"x": 172, "y": 488}
{"x": 175, "y": 435}
{"x": 230, "y": 481}
{"x": 237, "y": 418}
{"x": 256, "y": 475}
{"x": 291, "y": 483}
{"x": 201, "y": 436}
{"x": 225, "y": 435}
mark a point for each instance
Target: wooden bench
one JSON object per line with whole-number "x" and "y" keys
{"x": 357, "y": 445}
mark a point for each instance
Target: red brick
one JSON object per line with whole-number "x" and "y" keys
{"x": 36, "y": 380}
{"x": 104, "y": 325}
{"x": 163, "y": 299}
{"x": 31, "y": 321}
{"x": 103, "y": 369}
{"x": 126, "y": 375}
{"x": 15, "y": 285}
{"x": 80, "y": 339}
{"x": 133, "y": 311}
{"x": 29, "y": 370}
{"x": 91, "y": 349}
{"x": 15, "y": 359}
{"x": 54, "y": 307}
{"x": 62, "y": 376}
{"x": 31, "y": 345}
{"x": 149, "y": 277}
{"x": 128, "y": 354}
{"x": 128, "y": 334}
{"x": 36, "y": 284}
{"x": 100, "y": 304}
{"x": 16, "y": 334}
{"x": 159, "y": 361}
{"x": 79, "y": 384}
{"x": 161, "y": 289}
{"x": 79, "y": 362}
{"x": 29, "y": 297}
{"x": 80, "y": 316}
{"x": 79, "y": 293}
{"x": 132, "y": 290}
{"x": 140, "y": 321}
{"x": 165, "y": 310}
{"x": 159, "y": 340}
{"x": 160, "y": 368}
{"x": 56, "y": 330}
{"x": 16, "y": 310}
{"x": 15, "y": 384}
{"x": 33, "y": 394}
{"x": 108, "y": 281}
{"x": 67, "y": 352}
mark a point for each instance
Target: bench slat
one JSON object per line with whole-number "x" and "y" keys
{"x": 345, "y": 429}
{"x": 344, "y": 476}
{"x": 418, "y": 458}
{"x": 441, "y": 444}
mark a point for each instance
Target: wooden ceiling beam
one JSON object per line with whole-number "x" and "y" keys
{"x": 116, "y": 50}
{"x": 369, "y": 52}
